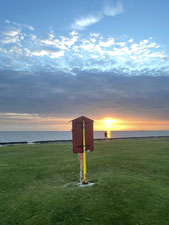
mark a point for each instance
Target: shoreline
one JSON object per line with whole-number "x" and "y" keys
{"x": 65, "y": 141}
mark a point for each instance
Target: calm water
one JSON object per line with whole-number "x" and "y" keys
{"x": 31, "y": 136}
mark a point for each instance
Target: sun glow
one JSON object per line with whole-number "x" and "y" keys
{"x": 110, "y": 124}
{"x": 109, "y": 121}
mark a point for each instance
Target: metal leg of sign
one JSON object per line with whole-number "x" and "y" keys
{"x": 84, "y": 156}
{"x": 81, "y": 166}
{"x": 84, "y": 168}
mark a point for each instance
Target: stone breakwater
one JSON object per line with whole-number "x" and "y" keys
{"x": 65, "y": 141}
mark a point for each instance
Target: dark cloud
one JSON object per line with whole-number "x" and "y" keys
{"x": 88, "y": 93}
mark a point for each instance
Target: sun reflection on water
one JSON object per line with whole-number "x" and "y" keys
{"x": 108, "y": 134}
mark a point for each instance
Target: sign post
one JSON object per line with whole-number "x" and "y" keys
{"x": 82, "y": 138}
{"x": 84, "y": 155}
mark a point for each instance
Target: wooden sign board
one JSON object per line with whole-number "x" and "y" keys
{"x": 77, "y": 134}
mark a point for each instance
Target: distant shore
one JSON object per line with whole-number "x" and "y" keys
{"x": 65, "y": 141}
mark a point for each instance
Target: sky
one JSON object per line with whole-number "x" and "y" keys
{"x": 60, "y": 59}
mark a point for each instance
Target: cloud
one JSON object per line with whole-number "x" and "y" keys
{"x": 108, "y": 43}
{"x": 48, "y": 53}
{"x": 63, "y": 43}
{"x": 113, "y": 10}
{"x": 18, "y": 116}
{"x": 10, "y": 36}
{"x": 63, "y": 95}
{"x": 12, "y": 33}
{"x": 82, "y": 23}
{"x": 26, "y": 121}
{"x": 9, "y": 40}
{"x": 21, "y": 26}
{"x": 86, "y": 21}
{"x": 7, "y": 21}
{"x": 31, "y": 28}
{"x": 23, "y": 50}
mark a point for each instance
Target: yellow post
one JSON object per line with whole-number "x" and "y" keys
{"x": 84, "y": 155}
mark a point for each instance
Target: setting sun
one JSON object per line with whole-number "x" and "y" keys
{"x": 108, "y": 121}
{"x": 110, "y": 124}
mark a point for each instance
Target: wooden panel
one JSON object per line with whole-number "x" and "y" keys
{"x": 77, "y": 134}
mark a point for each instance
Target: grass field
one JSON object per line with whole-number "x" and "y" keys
{"x": 38, "y": 184}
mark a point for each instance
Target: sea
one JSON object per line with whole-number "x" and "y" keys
{"x": 32, "y": 136}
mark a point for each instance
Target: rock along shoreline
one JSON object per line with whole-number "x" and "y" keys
{"x": 65, "y": 141}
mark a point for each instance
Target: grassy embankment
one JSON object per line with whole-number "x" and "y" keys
{"x": 38, "y": 184}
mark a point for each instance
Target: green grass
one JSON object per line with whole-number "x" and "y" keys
{"x": 38, "y": 184}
